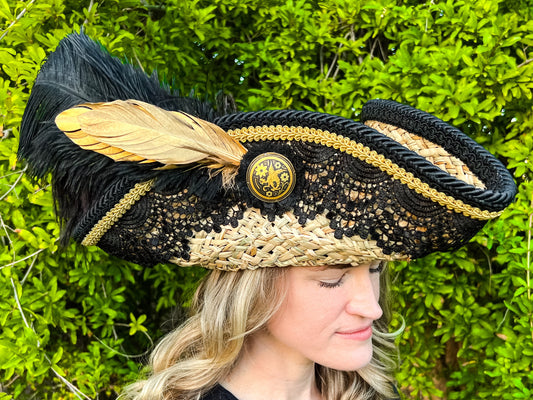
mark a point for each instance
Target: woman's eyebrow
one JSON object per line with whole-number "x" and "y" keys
{"x": 344, "y": 266}
{"x": 334, "y": 266}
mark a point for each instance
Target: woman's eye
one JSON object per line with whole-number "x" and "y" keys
{"x": 377, "y": 268}
{"x": 331, "y": 285}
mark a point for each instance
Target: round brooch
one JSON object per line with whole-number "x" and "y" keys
{"x": 270, "y": 177}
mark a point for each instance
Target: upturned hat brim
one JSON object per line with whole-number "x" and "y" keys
{"x": 308, "y": 189}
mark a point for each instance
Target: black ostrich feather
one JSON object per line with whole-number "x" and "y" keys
{"x": 81, "y": 71}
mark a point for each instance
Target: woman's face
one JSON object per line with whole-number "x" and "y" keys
{"x": 327, "y": 315}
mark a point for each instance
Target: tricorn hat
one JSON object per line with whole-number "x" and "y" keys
{"x": 153, "y": 177}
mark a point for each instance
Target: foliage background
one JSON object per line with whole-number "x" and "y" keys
{"x": 77, "y": 323}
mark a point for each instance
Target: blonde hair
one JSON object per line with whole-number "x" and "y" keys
{"x": 229, "y": 306}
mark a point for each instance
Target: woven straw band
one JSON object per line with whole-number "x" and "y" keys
{"x": 326, "y": 138}
{"x": 258, "y": 243}
{"x": 430, "y": 151}
{"x": 113, "y": 215}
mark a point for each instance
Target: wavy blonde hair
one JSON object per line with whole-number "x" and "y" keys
{"x": 229, "y": 306}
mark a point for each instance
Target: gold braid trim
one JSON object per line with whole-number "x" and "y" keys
{"x": 326, "y": 138}
{"x": 118, "y": 210}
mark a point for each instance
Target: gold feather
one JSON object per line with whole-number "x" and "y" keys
{"x": 132, "y": 130}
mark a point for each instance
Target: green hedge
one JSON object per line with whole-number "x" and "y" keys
{"x": 77, "y": 323}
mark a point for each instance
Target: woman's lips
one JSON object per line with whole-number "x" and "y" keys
{"x": 357, "y": 334}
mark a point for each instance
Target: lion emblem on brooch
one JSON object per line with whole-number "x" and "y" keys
{"x": 270, "y": 177}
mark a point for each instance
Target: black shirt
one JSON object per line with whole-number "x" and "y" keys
{"x": 218, "y": 393}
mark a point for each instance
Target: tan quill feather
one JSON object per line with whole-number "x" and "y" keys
{"x": 132, "y": 130}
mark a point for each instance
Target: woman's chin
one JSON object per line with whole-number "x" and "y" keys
{"x": 350, "y": 360}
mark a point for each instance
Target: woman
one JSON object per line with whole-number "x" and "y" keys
{"x": 257, "y": 334}
{"x": 294, "y": 212}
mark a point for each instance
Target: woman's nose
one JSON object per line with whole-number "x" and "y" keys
{"x": 364, "y": 298}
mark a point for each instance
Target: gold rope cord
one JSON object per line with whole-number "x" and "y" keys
{"x": 118, "y": 210}
{"x": 326, "y": 138}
